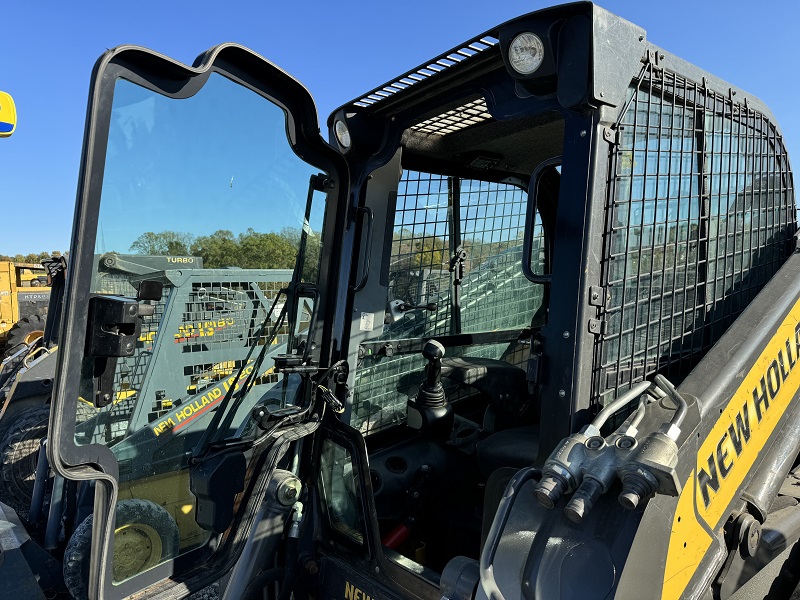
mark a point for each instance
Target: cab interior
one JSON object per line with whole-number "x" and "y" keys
{"x": 454, "y": 267}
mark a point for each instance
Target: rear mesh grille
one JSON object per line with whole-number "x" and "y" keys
{"x": 701, "y": 217}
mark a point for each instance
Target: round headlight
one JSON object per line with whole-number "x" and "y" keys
{"x": 342, "y": 133}
{"x": 526, "y": 52}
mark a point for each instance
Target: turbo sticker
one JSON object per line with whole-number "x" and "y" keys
{"x": 730, "y": 450}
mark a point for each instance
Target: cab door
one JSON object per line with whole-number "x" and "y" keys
{"x": 159, "y": 377}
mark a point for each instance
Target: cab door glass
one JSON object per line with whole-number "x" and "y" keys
{"x": 205, "y": 196}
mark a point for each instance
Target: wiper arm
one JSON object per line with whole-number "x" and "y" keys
{"x": 210, "y": 433}
{"x": 318, "y": 183}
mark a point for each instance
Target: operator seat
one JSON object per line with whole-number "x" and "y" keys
{"x": 506, "y": 386}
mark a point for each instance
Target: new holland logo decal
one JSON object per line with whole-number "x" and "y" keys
{"x": 729, "y": 452}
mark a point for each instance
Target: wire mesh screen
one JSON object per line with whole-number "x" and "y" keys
{"x": 219, "y": 313}
{"x": 701, "y": 215}
{"x": 493, "y": 291}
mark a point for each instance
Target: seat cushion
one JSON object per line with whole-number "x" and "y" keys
{"x": 515, "y": 448}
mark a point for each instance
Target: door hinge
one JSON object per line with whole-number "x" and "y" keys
{"x": 534, "y": 366}
{"x": 597, "y": 327}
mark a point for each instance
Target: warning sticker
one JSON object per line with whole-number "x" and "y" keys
{"x": 367, "y": 321}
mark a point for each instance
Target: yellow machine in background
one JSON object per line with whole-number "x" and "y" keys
{"x": 24, "y": 297}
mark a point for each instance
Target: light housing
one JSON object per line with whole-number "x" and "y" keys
{"x": 526, "y": 53}
{"x": 342, "y": 134}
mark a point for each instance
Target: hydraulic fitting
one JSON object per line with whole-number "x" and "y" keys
{"x": 636, "y": 486}
{"x": 583, "y": 499}
{"x": 651, "y": 468}
{"x": 555, "y": 483}
{"x": 297, "y": 517}
{"x": 562, "y": 471}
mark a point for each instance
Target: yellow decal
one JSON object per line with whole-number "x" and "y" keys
{"x": 189, "y": 331}
{"x": 729, "y": 452}
{"x": 351, "y": 592}
{"x": 186, "y": 413}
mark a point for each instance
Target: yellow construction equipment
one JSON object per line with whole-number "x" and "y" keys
{"x": 24, "y": 296}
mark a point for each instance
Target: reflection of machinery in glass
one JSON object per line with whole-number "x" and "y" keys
{"x": 162, "y": 394}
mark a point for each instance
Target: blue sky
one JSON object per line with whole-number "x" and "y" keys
{"x": 338, "y": 50}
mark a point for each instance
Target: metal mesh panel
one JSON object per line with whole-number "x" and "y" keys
{"x": 220, "y": 313}
{"x": 495, "y": 292}
{"x": 495, "y": 295}
{"x": 457, "y": 119}
{"x": 701, "y": 216}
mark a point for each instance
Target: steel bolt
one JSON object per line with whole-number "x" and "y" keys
{"x": 583, "y": 133}
{"x": 311, "y": 566}
{"x": 562, "y": 394}
{"x": 565, "y": 335}
{"x": 288, "y": 491}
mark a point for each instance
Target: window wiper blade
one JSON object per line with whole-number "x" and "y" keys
{"x": 236, "y": 393}
{"x": 211, "y": 432}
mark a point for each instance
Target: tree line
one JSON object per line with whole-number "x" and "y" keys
{"x": 248, "y": 250}
{"x": 33, "y": 257}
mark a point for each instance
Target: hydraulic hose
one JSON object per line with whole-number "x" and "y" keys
{"x": 683, "y": 407}
{"x": 290, "y": 572}
{"x": 619, "y": 403}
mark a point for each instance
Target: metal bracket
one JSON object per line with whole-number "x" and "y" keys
{"x": 457, "y": 265}
{"x": 534, "y": 370}
{"x": 611, "y": 136}
{"x": 650, "y": 57}
{"x": 597, "y": 327}
{"x": 597, "y": 296}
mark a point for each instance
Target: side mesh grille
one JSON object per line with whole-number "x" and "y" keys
{"x": 701, "y": 216}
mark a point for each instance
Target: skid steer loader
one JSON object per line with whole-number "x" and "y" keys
{"x": 553, "y": 342}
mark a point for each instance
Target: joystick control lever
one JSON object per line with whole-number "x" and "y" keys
{"x": 429, "y": 411}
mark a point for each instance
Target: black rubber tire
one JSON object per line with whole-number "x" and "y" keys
{"x": 19, "y": 452}
{"x": 22, "y": 329}
{"x": 130, "y": 512}
{"x": 16, "y": 408}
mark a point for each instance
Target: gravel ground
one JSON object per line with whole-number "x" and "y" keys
{"x": 209, "y": 593}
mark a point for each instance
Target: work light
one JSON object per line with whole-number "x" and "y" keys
{"x": 526, "y": 52}
{"x": 342, "y": 133}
